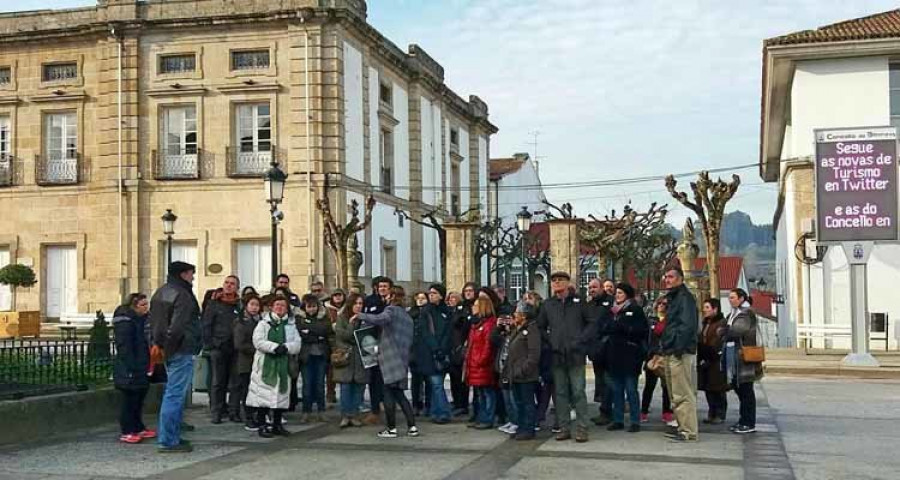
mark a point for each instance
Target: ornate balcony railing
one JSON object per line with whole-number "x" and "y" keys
{"x": 6, "y": 171}
{"x": 249, "y": 164}
{"x": 182, "y": 165}
{"x": 56, "y": 169}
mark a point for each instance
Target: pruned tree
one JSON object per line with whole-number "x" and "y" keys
{"x": 433, "y": 219}
{"x": 709, "y": 200}
{"x": 616, "y": 238}
{"x": 338, "y": 235}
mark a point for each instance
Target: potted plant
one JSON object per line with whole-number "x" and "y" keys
{"x": 19, "y": 324}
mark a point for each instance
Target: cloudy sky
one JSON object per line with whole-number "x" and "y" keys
{"x": 616, "y": 89}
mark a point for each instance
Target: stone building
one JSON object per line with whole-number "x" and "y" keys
{"x": 111, "y": 114}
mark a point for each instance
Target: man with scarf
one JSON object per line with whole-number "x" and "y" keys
{"x": 219, "y": 317}
{"x": 175, "y": 320}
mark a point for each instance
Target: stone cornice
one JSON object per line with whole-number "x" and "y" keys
{"x": 248, "y": 88}
{"x": 58, "y": 97}
{"x": 176, "y": 92}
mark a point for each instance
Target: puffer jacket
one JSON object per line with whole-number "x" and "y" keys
{"x": 316, "y": 333}
{"x": 243, "y": 341}
{"x": 523, "y": 365}
{"x": 260, "y": 394}
{"x": 218, "y": 320}
{"x": 130, "y": 371}
{"x": 479, "y": 370}
{"x": 569, "y": 327}
{"x": 175, "y": 318}
{"x": 682, "y": 323}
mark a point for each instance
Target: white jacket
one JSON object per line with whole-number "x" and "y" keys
{"x": 259, "y": 394}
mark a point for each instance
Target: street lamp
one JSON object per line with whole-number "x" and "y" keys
{"x": 168, "y": 220}
{"x": 523, "y": 223}
{"x": 274, "y": 180}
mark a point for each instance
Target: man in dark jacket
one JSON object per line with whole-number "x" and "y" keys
{"x": 600, "y": 303}
{"x": 459, "y": 333}
{"x": 679, "y": 347}
{"x": 432, "y": 352}
{"x": 567, "y": 319}
{"x": 381, "y": 292}
{"x": 221, "y": 312}
{"x": 175, "y": 316}
{"x": 284, "y": 281}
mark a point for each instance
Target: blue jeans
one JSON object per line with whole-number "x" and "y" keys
{"x": 314, "y": 382}
{"x": 484, "y": 405}
{"x": 622, "y": 386}
{"x": 180, "y": 371}
{"x": 526, "y": 410}
{"x": 512, "y": 413}
{"x": 440, "y": 406}
{"x": 351, "y": 398}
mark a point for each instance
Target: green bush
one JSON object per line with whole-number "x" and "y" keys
{"x": 16, "y": 275}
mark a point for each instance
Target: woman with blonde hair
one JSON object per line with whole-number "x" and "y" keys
{"x": 479, "y": 367}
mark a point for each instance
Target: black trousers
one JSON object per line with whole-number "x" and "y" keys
{"x": 221, "y": 363}
{"x": 747, "y": 397}
{"x": 237, "y": 393}
{"x": 376, "y": 389}
{"x": 394, "y": 394}
{"x": 458, "y": 389}
{"x": 131, "y": 409}
{"x": 650, "y": 381}
{"x": 718, "y": 404}
{"x": 421, "y": 394}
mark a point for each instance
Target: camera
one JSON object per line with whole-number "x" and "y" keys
{"x": 278, "y": 215}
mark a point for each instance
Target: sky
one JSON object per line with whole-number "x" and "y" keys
{"x": 614, "y": 89}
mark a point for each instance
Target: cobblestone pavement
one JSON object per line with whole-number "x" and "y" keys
{"x": 808, "y": 429}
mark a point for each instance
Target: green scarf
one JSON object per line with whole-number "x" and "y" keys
{"x": 275, "y": 367}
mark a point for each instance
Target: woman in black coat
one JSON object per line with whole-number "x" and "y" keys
{"x": 625, "y": 352}
{"x": 132, "y": 366}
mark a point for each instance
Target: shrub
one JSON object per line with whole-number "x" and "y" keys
{"x": 16, "y": 275}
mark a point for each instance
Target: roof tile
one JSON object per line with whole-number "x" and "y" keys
{"x": 880, "y": 25}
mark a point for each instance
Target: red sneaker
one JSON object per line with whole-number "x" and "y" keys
{"x": 148, "y": 433}
{"x": 668, "y": 418}
{"x": 645, "y": 418}
{"x": 130, "y": 438}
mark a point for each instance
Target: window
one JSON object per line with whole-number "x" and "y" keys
{"x": 454, "y": 137}
{"x": 386, "y": 94}
{"x": 5, "y": 160}
{"x": 182, "y": 251}
{"x": 177, "y": 63}
{"x": 454, "y": 188}
{"x": 387, "y": 161}
{"x": 56, "y": 72}
{"x": 5, "y": 75}
{"x": 254, "y": 264}
{"x": 587, "y": 276}
{"x": 61, "y": 136}
{"x": 388, "y": 258}
{"x": 250, "y": 60}
{"x": 254, "y": 138}
{"x": 178, "y": 142}
{"x": 515, "y": 285}
{"x": 895, "y": 94}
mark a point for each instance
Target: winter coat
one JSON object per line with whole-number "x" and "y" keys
{"x": 569, "y": 327}
{"x": 682, "y": 323}
{"x": 479, "y": 371}
{"x": 523, "y": 365}
{"x": 244, "y": 327}
{"x": 393, "y": 345}
{"x": 374, "y": 303}
{"x": 318, "y": 333}
{"x": 741, "y": 328}
{"x": 353, "y": 372}
{"x": 599, "y": 310}
{"x": 460, "y": 323}
{"x": 627, "y": 343}
{"x": 432, "y": 338}
{"x": 132, "y": 363}
{"x": 500, "y": 337}
{"x": 710, "y": 374}
{"x": 175, "y": 316}
{"x": 218, "y": 323}
{"x": 260, "y": 394}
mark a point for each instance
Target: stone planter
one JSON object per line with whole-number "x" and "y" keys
{"x": 20, "y": 324}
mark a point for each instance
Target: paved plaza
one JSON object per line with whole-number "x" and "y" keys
{"x": 808, "y": 429}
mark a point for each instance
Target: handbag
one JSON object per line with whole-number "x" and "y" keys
{"x": 657, "y": 365}
{"x": 340, "y": 357}
{"x": 753, "y": 353}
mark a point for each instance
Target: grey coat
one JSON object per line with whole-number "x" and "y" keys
{"x": 741, "y": 329}
{"x": 393, "y": 347}
{"x": 353, "y": 372}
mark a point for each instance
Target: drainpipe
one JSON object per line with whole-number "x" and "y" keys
{"x": 120, "y": 176}
{"x": 309, "y": 186}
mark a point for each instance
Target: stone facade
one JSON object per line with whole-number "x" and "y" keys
{"x": 123, "y": 73}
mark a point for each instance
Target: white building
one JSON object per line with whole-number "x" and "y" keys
{"x": 841, "y": 75}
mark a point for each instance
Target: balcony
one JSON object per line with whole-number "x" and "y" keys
{"x": 6, "y": 171}
{"x": 177, "y": 165}
{"x": 249, "y": 164}
{"x": 56, "y": 169}
{"x": 387, "y": 180}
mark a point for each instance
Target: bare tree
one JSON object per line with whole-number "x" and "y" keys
{"x": 709, "y": 200}
{"x": 614, "y": 238}
{"x": 337, "y": 237}
{"x": 432, "y": 219}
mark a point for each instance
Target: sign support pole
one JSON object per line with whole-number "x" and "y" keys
{"x": 858, "y": 255}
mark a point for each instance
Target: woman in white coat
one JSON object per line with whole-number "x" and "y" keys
{"x": 275, "y": 337}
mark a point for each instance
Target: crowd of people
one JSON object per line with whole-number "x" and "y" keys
{"x": 506, "y": 364}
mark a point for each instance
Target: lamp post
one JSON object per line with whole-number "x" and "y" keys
{"x": 168, "y": 220}
{"x": 274, "y": 180}
{"x": 523, "y": 223}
